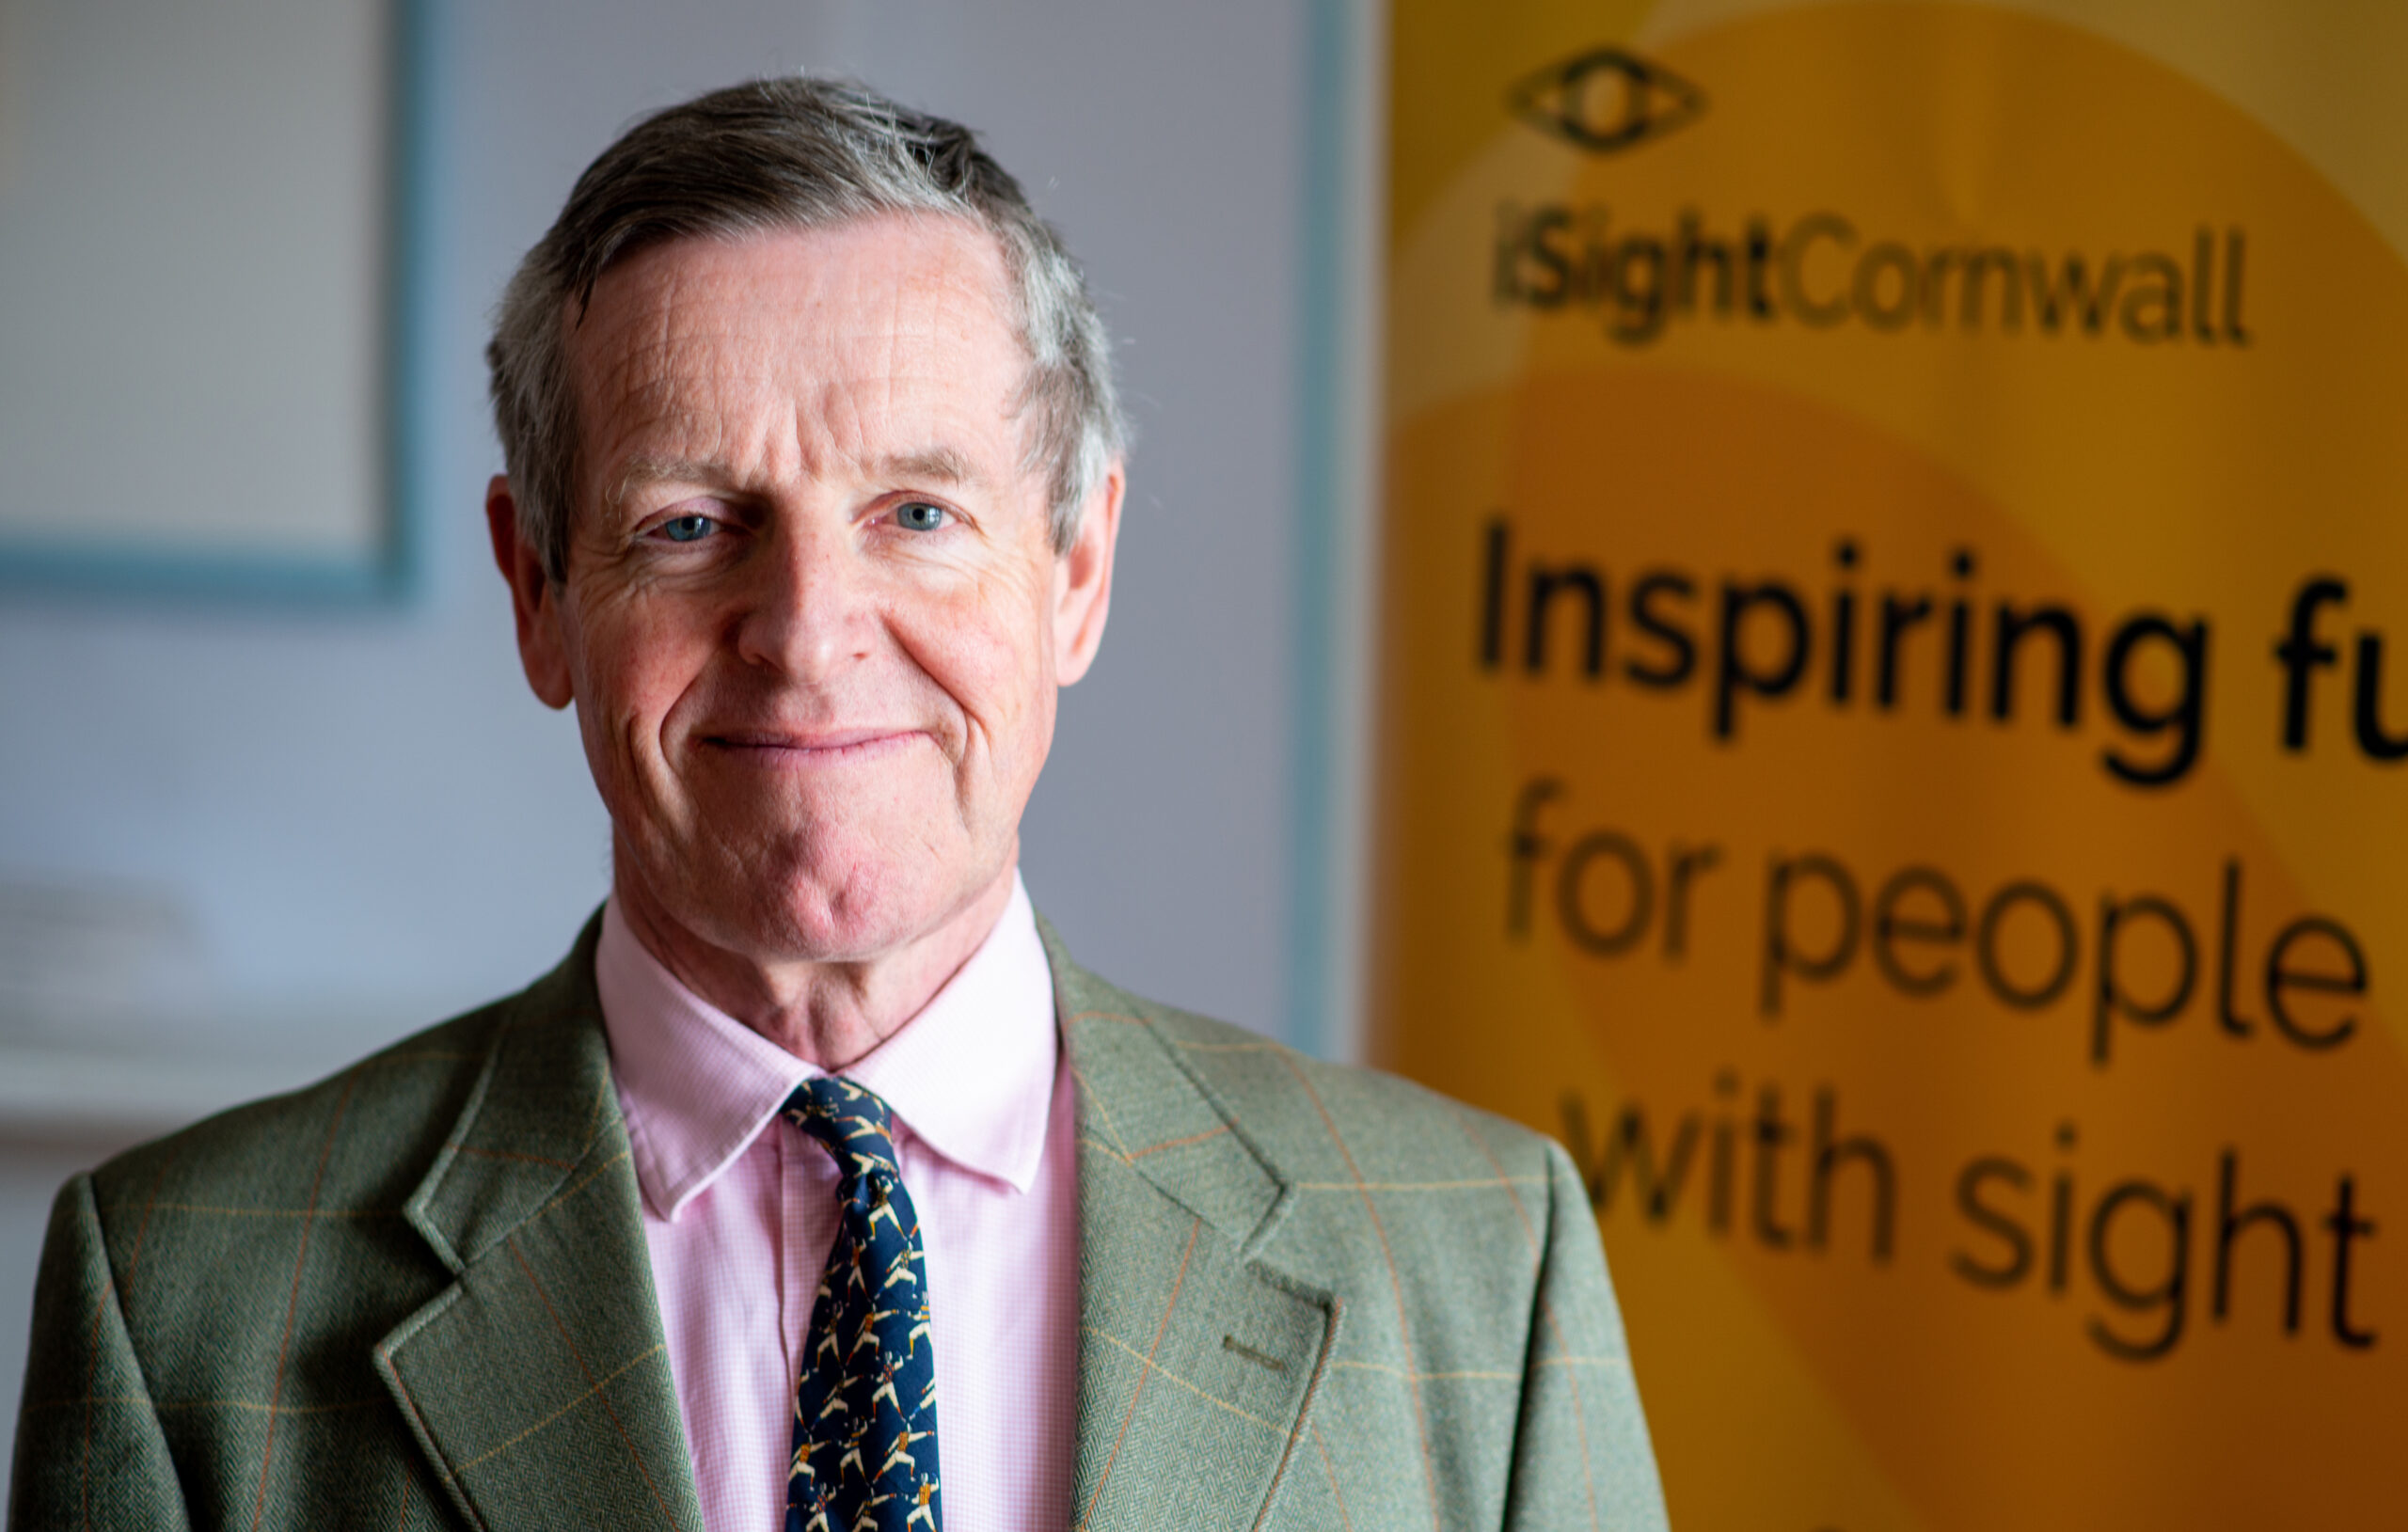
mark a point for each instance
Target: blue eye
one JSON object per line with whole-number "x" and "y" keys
{"x": 920, "y": 517}
{"x": 688, "y": 529}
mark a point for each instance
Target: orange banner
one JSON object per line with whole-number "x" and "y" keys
{"x": 1894, "y": 705}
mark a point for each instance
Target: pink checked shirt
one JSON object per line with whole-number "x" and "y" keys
{"x": 740, "y": 1209}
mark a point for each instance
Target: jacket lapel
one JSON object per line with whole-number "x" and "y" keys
{"x": 1198, "y": 1360}
{"x": 538, "y": 1383}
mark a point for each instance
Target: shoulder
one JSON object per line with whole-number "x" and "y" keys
{"x": 1313, "y": 1123}
{"x": 352, "y": 1146}
{"x": 1325, "y": 1121}
{"x": 360, "y": 1139}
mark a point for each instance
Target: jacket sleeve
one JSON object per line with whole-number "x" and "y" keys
{"x": 89, "y": 1449}
{"x": 1581, "y": 1456}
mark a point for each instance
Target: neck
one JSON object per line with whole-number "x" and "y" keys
{"x": 825, "y": 1013}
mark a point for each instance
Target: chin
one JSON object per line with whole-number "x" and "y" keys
{"x": 816, "y": 891}
{"x": 858, "y": 912}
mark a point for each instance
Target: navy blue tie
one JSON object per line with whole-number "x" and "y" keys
{"x": 866, "y": 1402}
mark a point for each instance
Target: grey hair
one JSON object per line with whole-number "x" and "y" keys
{"x": 793, "y": 153}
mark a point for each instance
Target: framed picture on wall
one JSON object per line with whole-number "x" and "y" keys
{"x": 204, "y": 280}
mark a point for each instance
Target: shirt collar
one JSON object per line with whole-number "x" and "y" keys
{"x": 971, "y": 1075}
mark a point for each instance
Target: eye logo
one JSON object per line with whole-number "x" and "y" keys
{"x": 1606, "y": 100}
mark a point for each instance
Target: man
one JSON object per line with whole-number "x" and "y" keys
{"x": 818, "y": 1188}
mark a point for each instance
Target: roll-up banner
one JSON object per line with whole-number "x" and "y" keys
{"x": 1895, "y": 727}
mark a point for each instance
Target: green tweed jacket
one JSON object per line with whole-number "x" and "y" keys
{"x": 416, "y": 1295}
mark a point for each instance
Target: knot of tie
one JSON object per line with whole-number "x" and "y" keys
{"x": 854, "y": 1123}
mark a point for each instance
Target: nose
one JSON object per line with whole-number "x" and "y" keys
{"x": 807, "y": 611}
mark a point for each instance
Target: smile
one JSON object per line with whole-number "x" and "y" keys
{"x": 826, "y": 747}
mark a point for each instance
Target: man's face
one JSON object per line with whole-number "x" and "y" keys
{"x": 811, "y": 620}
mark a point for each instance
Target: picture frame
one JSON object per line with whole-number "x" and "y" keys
{"x": 208, "y": 283}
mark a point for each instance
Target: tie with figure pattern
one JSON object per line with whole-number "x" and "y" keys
{"x": 865, "y": 1401}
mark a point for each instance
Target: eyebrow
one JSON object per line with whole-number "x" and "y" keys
{"x": 933, "y": 465}
{"x": 941, "y": 464}
{"x": 641, "y": 471}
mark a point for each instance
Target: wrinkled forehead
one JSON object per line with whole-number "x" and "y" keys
{"x": 885, "y": 325}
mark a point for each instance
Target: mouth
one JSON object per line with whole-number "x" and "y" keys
{"x": 811, "y": 747}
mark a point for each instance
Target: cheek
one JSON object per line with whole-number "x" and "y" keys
{"x": 987, "y": 647}
{"x": 632, "y": 667}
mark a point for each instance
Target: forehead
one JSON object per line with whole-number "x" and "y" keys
{"x": 820, "y": 343}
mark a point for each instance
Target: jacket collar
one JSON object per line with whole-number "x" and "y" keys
{"x": 1184, "y": 1322}
{"x": 538, "y": 1383}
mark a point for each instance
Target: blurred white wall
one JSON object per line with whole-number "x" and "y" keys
{"x": 358, "y": 820}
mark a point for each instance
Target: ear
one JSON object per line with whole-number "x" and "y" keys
{"x": 534, "y": 600}
{"x": 1083, "y": 581}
